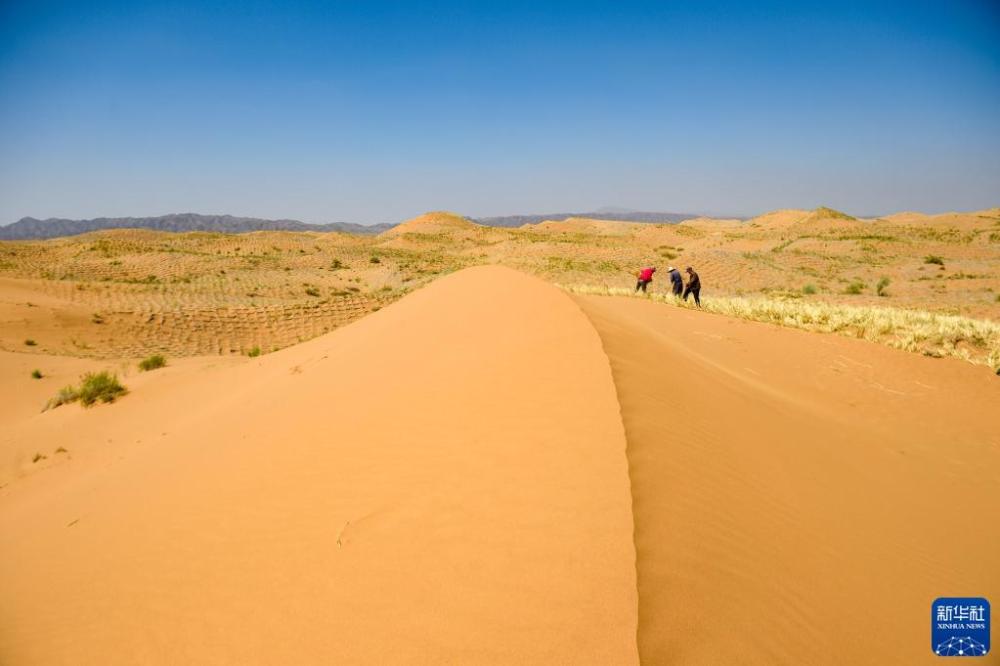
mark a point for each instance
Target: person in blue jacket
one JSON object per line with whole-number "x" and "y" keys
{"x": 676, "y": 283}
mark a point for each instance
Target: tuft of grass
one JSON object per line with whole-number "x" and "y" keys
{"x": 154, "y": 362}
{"x": 312, "y": 291}
{"x": 855, "y": 288}
{"x": 881, "y": 286}
{"x": 973, "y": 340}
{"x": 934, "y": 259}
{"x": 29, "y": 342}
{"x": 94, "y": 387}
{"x": 374, "y": 260}
{"x": 36, "y": 374}
{"x": 100, "y": 386}
{"x": 254, "y": 353}
{"x": 809, "y": 289}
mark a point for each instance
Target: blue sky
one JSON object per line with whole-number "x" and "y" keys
{"x": 373, "y": 111}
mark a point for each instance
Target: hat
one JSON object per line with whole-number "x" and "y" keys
{"x": 670, "y": 268}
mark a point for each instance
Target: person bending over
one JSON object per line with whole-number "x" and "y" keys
{"x": 645, "y": 277}
{"x": 693, "y": 286}
{"x": 676, "y": 283}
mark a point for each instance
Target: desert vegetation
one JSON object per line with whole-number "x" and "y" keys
{"x": 133, "y": 293}
{"x": 154, "y": 362}
{"x": 932, "y": 334}
{"x": 94, "y": 387}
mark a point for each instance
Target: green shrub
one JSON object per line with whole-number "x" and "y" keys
{"x": 336, "y": 265}
{"x": 809, "y": 289}
{"x": 94, "y": 387}
{"x": 36, "y": 374}
{"x": 855, "y": 288}
{"x": 99, "y": 386}
{"x": 881, "y": 286}
{"x": 254, "y": 353}
{"x": 934, "y": 259}
{"x": 375, "y": 260}
{"x": 154, "y": 362}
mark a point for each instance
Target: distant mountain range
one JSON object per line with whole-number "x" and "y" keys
{"x": 603, "y": 214}
{"x": 30, "y": 228}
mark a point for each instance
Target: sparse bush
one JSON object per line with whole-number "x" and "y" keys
{"x": 809, "y": 289}
{"x": 153, "y": 362}
{"x": 30, "y": 342}
{"x": 855, "y": 288}
{"x": 100, "y": 386}
{"x": 94, "y": 387}
{"x": 934, "y": 259}
{"x": 38, "y": 456}
{"x": 881, "y": 286}
{"x": 36, "y": 374}
{"x": 312, "y": 291}
{"x": 254, "y": 353}
{"x": 66, "y": 395}
{"x": 336, "y": 265}
{"x": 375, "y": 260}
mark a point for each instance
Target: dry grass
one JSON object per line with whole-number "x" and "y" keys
{"x": 154, "y": 362}
{"x": 933, "y": 334}
{"x": 94, "y": 387}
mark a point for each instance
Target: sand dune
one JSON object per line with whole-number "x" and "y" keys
{"x": 798, "y": 499}
{"x": 430, "y": 223}
{"x": 585, "y": 225}
{"x": 442, "y": 482}
{"x": 461, "y": 476}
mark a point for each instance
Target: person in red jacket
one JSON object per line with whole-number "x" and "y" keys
{"x": 645, "y": 277}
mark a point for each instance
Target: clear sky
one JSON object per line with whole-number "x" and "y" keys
{"x": 375, "y": 112}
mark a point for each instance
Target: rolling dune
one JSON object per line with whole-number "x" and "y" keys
{"x": 798, "y": 498}
{"x": 443, "y": 481}
{"x": 492, "y": 471}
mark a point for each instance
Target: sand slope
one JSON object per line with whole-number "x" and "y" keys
{"x": 798, "y": 498}
{"x": 461, "y": 476}
{"x": 442, "y": 482}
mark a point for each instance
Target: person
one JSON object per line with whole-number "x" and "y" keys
{"x": 693, "y": 286}
{"x": 677, "y": 284}
{"x": 645, "y": 277}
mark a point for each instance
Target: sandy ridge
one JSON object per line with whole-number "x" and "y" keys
{"x": 441, "y": 481}
{"x": 783, "y": 480}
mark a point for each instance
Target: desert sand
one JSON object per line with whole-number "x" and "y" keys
{"x": 492, "y": 470}
{"x": 798, "y": 499}
{"x": 441, "y": 482}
